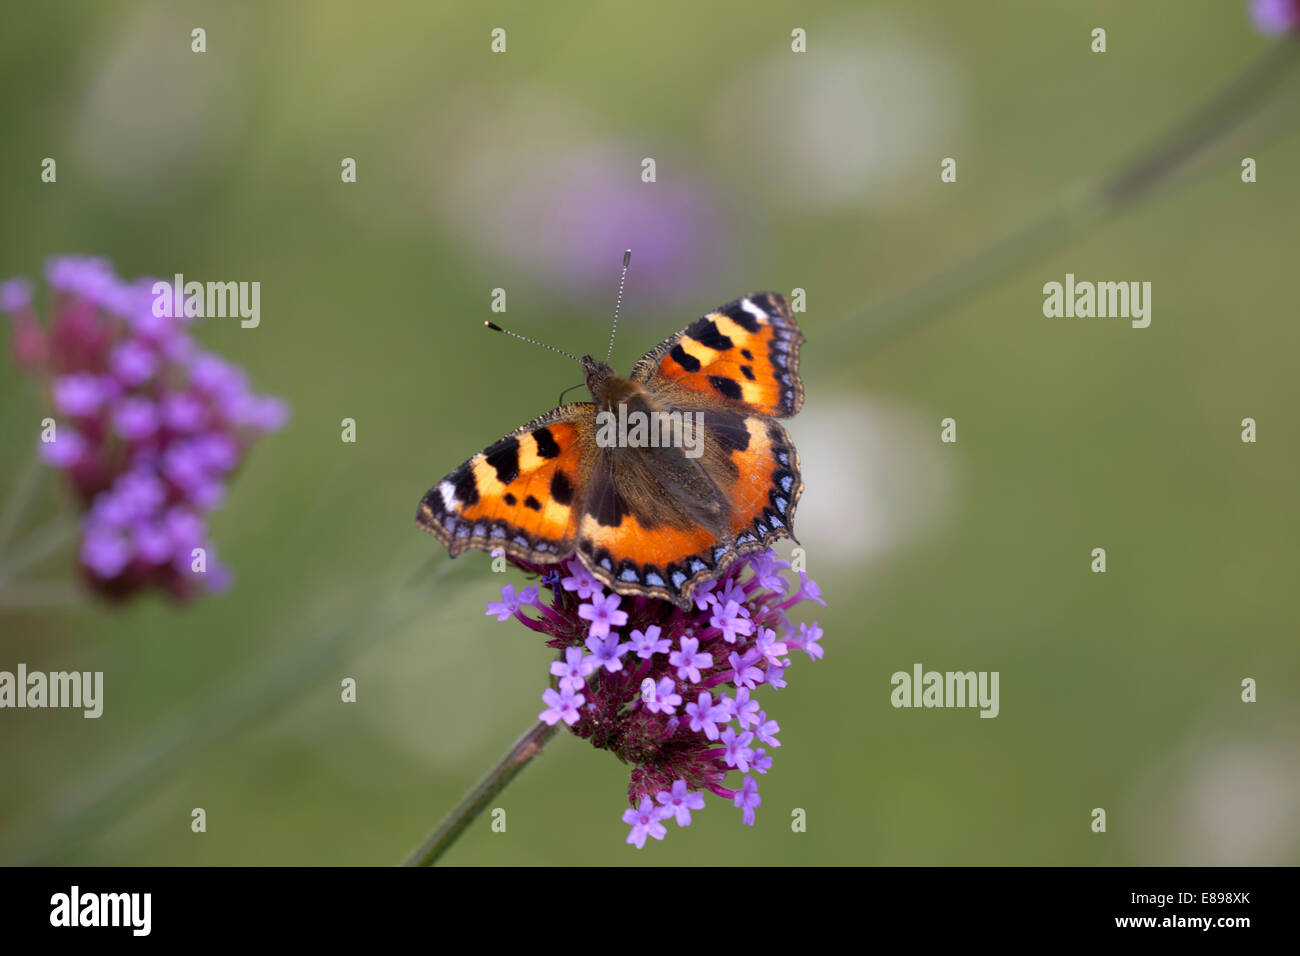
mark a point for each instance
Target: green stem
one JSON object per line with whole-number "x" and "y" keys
{"x": 19, "y": 498}
{"x": 476, "y": 801}
{"x": 1069, "y": 217}
{"x": 39, "y": 546}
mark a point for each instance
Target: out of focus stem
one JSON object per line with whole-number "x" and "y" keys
{"x": 20, "y": 497}
{"x": 1069, "y": 217}
{"x": 40, "y": 545}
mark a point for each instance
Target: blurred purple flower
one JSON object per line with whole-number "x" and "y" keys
{"x": 183, "y": 412}
{"x": 65, "y": 450}
{"x": 133, "y": 362}
{"x": 105, "y": 552}
{"x": 79, "y": 394}
{"x": 630, "y": 691}
{"x": 15, "y": 294}
{"x": 673, "y": 227}
{"x": 581, "y": 205}
{"x": 148, "y": 436}
{"x": 1276, "y": 16}
{"x": 136, "y": 418}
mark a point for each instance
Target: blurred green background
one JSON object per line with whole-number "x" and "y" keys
{"x": 774, "y": 170}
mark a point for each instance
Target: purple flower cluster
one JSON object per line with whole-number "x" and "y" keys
{"x": 148, "y": 426}
{"x": 1276, "y": 16}
{"x": 671, "y": 691}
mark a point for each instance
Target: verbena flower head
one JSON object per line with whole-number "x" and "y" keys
{"x": 1276, "y": 16}
{"x": 148, "y": 426}
{"x": 672, "y": 692}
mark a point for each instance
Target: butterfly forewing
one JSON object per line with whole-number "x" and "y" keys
{"x": 746, "y": 353}
{"x": 522, "y": 494}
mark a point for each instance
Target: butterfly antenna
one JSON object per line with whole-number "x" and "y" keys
{"x": 496, "y": 328}
{"x": 627, "y": 257}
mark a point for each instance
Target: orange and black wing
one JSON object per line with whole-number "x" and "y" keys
{"x": 660, "y": 544}
{"x": 744, "y": 355}
{"x": 522, "y": 494}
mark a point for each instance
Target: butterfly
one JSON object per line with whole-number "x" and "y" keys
{"x": 645, "y": 516}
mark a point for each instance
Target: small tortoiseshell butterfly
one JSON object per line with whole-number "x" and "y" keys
{"x": 647, "y": 519}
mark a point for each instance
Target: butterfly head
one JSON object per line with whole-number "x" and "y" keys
{"x": 597, "y": 376}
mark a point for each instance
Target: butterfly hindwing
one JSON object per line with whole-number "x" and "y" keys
{"x": 522, "y": 494}
{"x": 744, "y": 354}
{"x": 645, "y": 533}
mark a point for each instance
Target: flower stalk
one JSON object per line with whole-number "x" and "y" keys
{"x": 1070, "y": 216}
{"x": 477, "y": 800}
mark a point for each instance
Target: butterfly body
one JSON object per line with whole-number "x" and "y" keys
{"x": 651, "y": 510}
